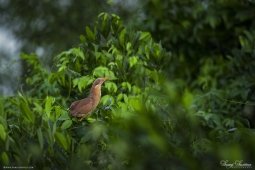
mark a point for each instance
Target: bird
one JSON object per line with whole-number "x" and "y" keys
{"x": 84, "y": 107}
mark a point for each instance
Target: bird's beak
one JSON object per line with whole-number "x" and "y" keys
{"x": 105, "y": 78}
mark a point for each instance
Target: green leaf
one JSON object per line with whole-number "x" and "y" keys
{"x": 90, "y": 120}
{"x": 2, "y": 132}
{"x": 126, "y": 85}
{"x": 57, "y": 111}
{"x": 90, "y": 33}
{"x": 64, "y": 117}
{"x": 66, "y": 124}
{"x": 22, "y": 97}
{"x": 136, "y": 90}
{"x": 105, "y": 99}
{"x": 48, "y": 105}
{"x": 212, "y": 21}
{"x": 119, "y": 64}
{"x": 26, "y": 112}
{"x": 243, "y": 41}
{"x": 82, "y": 39}
{"x": 151, "y": 68}
{"x": 125, "y": 98}
{"x": 110, "y": 2}
{"x": 128, "y": 46}
{"x": 96, "y": 131}
{"x": 154, "y": 75}
{"x": 62, "y": 68}
{"x": 248, "y": 35}
{"x": 98, "y": 55}
{"x": 54, "y": 127}
{"x": 81, "y": 55}
{"x": 111, "y": 87}
{"x": 61, "y": 140}
{"x": 3, "y": 122}
{"x": 132, "y": 61}
{"x": 122, "y": 38}
{"x": 82, "y": 82}
{"x": 5, "y": 158}
{"x": 7, "y": 142}
{"x": 85, "y": 138}
{"x": 123, "y": 107}
{"x": 187, "y": 99}
{"x": 101, "y": 14}
{"x": 100, "y": 71}
{"x": 38, "y": 108}
{"x": 136, "y": 104}
{"x": 119, "y": 97}
{"x": 76, "y": 81}
{"x": 145, "y": 36}
{"x": 147, "y": 50}
{"x": 40, "y": 137}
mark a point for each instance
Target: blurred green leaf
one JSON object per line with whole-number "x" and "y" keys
{"x": 90, "y": 33}
{"x": 126, "y": 85}
{"x": 5, "y": 158}
{"x": 38, "y": 107}
{"x": 82, "y": 39}
{"x": 122, "y": 37}
{"x": 2, "y": 132}
{"x": 187, "y": 99}
{"x": 136, "y": 104}
{"x": 90, "y": 120}
{"x": 112, "y": 87}
{"x": 145, "y": 36}
{"x": 40, "y": 137}
{"x": 48, "y": 105}
{"x": 61, "y": 140}
{"x": 110, "y": 2}
{"x": 132, "y": 61}
{"x": 26, "y": 112}
{"x": 3, "y": 122}
{"x": 101, "y": 71}
{"x": 105, "y": 99}
{"x": 119, "y": 97}
{"x": 81, "y": 84}
{"x": 64, "y": 117}
{"x": 85, "y": 138}
{"x": 66, "y": 124}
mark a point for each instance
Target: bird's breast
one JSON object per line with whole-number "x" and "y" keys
{"x": 96, "y": 100}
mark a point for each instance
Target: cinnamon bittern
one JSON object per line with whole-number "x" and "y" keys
{"x": 83, "y": 107}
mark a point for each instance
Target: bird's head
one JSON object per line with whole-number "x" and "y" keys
{"x": 98, "y": 82}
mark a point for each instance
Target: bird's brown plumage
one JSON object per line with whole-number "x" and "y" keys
{"x": 83, "y": 107}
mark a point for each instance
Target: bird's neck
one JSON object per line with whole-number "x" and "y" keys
{"x": 95, "y": 94}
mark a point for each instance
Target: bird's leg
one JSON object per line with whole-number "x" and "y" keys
{"x": 80, "y": 119}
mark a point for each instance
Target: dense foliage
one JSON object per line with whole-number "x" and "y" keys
{"x": 188, "y": 109}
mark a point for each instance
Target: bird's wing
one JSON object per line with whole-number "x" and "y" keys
{"x": 73, "y": 105}
{"x": 76, "y": 107}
